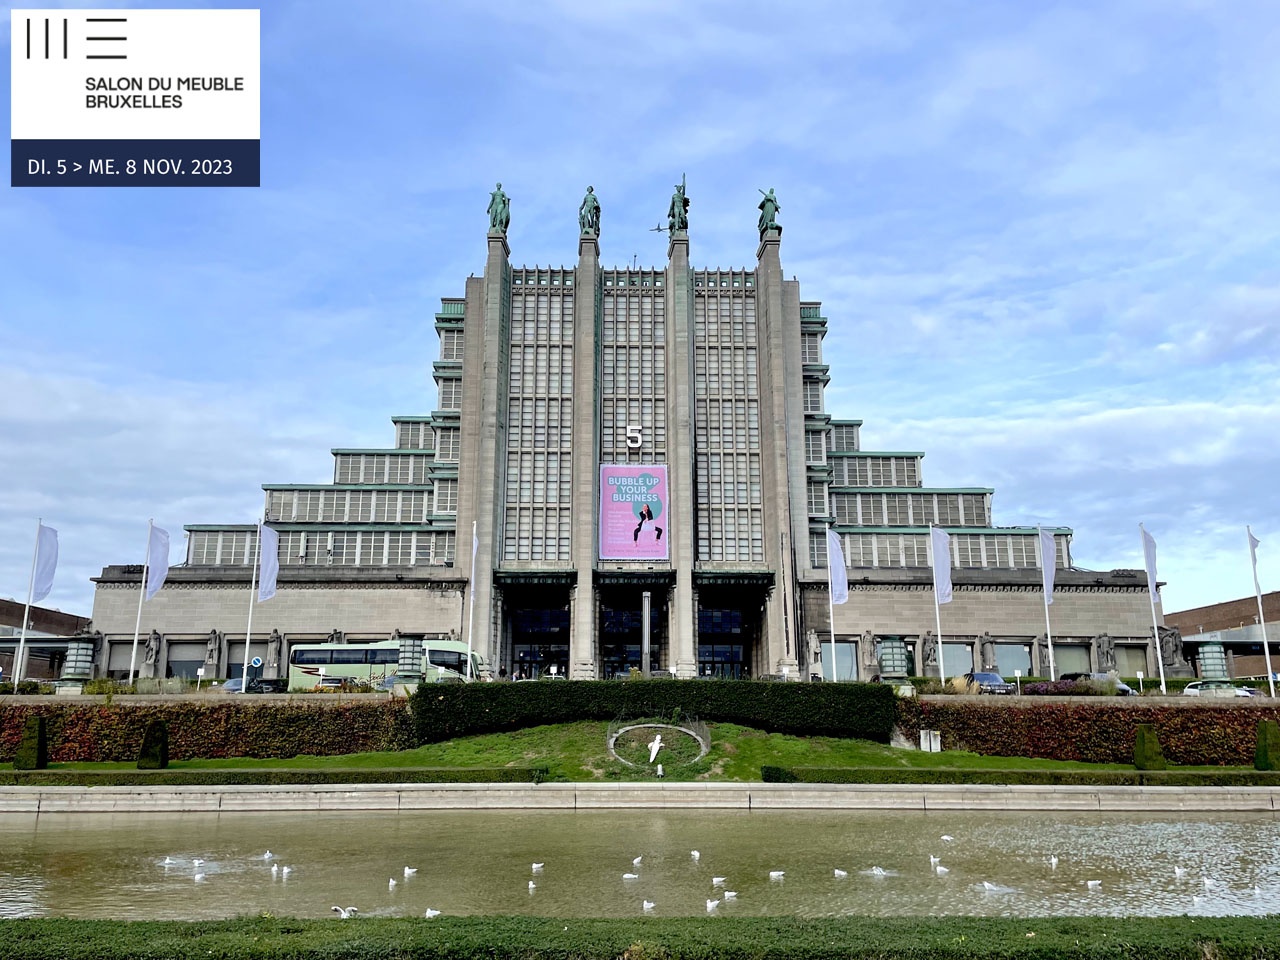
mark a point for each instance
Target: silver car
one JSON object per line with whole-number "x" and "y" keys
{"x": 1216, "y": 688}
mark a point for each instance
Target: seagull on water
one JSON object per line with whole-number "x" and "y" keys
{"x": 532, "y": 886}
{"x": 711, "y": 905}
{"x": 275, "y": 870}
{"x": 537, "y": 867}
{"x": 841, "y": 873}
{"x": 197, "y": 862}
{"x": 636, "y": 861}
{"x": 1179, "y": 872}
{"x": 648, "y": 905}
{"x": 731, "y": 895}
{"x": 345, "y": 913}
{"x": 718, "y": 881}
{"x": 168, "y": 861}
{"x": 391, "y": 884}
{"x": 877, "y": 871}
{"x": 268, "y": 855}
{"x": 284, "y": 873}
{"x": 695, "y": 855}
{"x": 410, "y": 871}
{"x": 1053, "y": 862}
{"x": 988, "y": 886}
{"x": 1093, "y": 884}
{"x": 431, "y": 913}
{"x": 947, "y": 838}
{"x": 776, "y": 874}
{"x": 940, "y": 870}
{"x": 198, "y": 878}
{"x": 934, "y": 861}
{"x": 631, "y": 876}
{"x": 1209, "y": 884}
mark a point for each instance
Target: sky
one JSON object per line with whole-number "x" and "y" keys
{"x": 1045, "y": 237}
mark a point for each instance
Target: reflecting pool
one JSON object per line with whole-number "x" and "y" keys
{"x": 209, "y": 866}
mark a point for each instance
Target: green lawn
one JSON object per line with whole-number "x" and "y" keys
{"x": 576, "y": 752}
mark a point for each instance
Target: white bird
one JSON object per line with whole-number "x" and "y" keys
{"x": 648, "y": 905}
{"x": 711, "y": 905}
{"x": 275, "y": 870}
{"x": 391, "y": 884}
{"x": 1209, "y": 884}
{"x": 877, "y": 871}
{"x": 631, "y": 876}
{"x": 268, "y": 855}
{"x": 1094, "y": 884}
{"x": 431, "y": 913}
{"x": 934, "y": 861}
{"x": 537, "y": 867}
{"x": 168, "y": 861}
{"x": 410, "y": 871}
{"x": 345, "y": 913}
{"x": 695, "y": 854}
{"x": 947, "y": 838}
{"x": 718, "y": 881}
{"x": 196, "y": 862}
{"x": 841, "y": 873}
{"x": 731, "y": 895}
{"x": 1053, "y": 862}
{"x": 776, "y": 874}
{"x": 636, "y": 861}
{"x": 1179, "y": 872}
{"x": 941, "y": 870}
{"x": 198, "y": 878}
{"x": 532, "y": 886}
{"x": 988, "y": 886}
{"x": 284, "y": 873}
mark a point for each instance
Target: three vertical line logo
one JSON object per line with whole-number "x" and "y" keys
{"x": 43, "y": 36}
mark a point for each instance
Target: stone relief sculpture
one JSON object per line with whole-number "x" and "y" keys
{"x": 589, "y": 214}
{"x": 678, "y": 211}
{"x": 769, "y": 210}
{"x": 1171, "y": 646}
{"x": 499, "y": 211}
{"x": 337, "y": 636}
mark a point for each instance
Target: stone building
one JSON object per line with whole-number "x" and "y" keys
{"x": 628, "y": 439}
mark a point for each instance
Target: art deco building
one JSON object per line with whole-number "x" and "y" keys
{"x": 629, "y": 439}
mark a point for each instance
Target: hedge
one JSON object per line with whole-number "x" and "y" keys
{"x": 865, "y": 711}
{"x": 719, "y": 938}
{"x": 1266, "y": 755}
{"x": 33, "y": 748}
{"x": 265, "y": 776}
{"x": 1147, "y": 754}
{"x": 211, "y": 728}
{"x": 1222, "y": 734}
{"x": 1084, "y": 778}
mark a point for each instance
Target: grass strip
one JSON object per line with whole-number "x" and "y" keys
{"x": 483, "y": 938}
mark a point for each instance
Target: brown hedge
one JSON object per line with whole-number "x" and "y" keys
{"x": 212, "y": 729}
{"x": 1210, "y": 735}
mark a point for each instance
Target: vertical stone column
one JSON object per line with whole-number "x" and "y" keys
{"x": 786, "y": 528}
{"x": 482, "y": 462}
{"x": 682, "y": 620}
{"x": 583, "y": 659}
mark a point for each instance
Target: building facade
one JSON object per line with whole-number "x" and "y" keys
{"x": 610, "y": 443}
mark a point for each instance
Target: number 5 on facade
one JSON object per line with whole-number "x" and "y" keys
{"x": 634, "y": 439}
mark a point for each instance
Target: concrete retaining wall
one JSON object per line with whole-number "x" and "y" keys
{"x": 589, "y": 796}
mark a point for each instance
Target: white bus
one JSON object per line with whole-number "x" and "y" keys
{"x": 372, "y": 663}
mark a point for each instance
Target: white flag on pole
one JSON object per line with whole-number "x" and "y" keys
{"x": 941, "y": 563}
{"x": 46, "y": 562}
{"x": 157, "y": 560}
{"x": 1149, "y": 555}
{"x": 838, "y": 576}
{"x": 1254, "y": 543}
{"x": 1048, "y": 562}
{"x": 269, "y": 564}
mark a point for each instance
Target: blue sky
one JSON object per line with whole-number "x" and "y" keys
{"x": 1045, "y": 237}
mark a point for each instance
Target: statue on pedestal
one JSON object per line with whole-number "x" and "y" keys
{"x": 1042, "y": 655}
{"x": 211, "y": 647}
{"x": 275, "y": 644}
{"x": 499, "y": 211}
{"x": 1106, "y": 653}
{"x": 929, "y": 646}
{"x": 337, "y": 636}
{"x": 678, "y": 211}
{"x": 152, "y": 650}
{"x": 769, "y": 210}
{"x": 987, "y": 647}
{"x": 589, "y": 214}
{"x": 1171, "y": 646}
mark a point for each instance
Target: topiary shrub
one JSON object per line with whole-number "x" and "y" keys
{"x": 155, "y": 747}
{"x": 33, "y": 748}
{"x": 1267, "y": 754}
{"x": 1147, "y": 754}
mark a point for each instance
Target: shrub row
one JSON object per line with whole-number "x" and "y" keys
{"x": 1084, "y": 778}
{"x": 1190, "y": 735}
{"x": 211, "y": 729}
{"x": 724, "y": 938}
{"x": 861, "y": 710}
{"x": 265, "y": 776}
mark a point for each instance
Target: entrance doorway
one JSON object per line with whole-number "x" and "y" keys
{"x": 538, "y": 621}
{"x": 728, "y": 634}
{"x": 621, "y": 625}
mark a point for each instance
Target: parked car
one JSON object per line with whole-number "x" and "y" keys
{"x": 1122, "y": 688}
{"x": 987, "y": 683}
{"x": 257, "y": 685}
{"x": 1216, "y": 688}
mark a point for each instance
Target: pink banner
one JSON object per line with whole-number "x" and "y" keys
{"x": 633, "y": 512}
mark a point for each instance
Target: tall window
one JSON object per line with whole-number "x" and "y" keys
{"x": 815, "y": 447}
{"x": 450, "y": 344}
{"x": 446, "y": 496}
{"x": 817, "y": 499}
{"x": 811, "y": 348}
{"x": 451, "y": 394}
{"x": 812, "y": 396}
{"x": 448, "y": 442}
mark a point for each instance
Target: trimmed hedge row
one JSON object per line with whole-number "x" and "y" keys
{"x": 1190, "y": 735}
{"x": 722, "y": 938}
{"x": 211, "y": 729}
{"x": 261, "y": 776}
{"x": 1087, "y": 778}
{"x": 866, "y": 711}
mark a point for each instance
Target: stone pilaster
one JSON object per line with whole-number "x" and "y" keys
{"x": 583, "y": 655}
{"x": 681, "y": 615}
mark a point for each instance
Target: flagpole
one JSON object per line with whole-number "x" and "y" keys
{"x": 26, "y": 613}
{"x": 142, "y": 593}
{"x": 248, "y": 628}
{"x": 831, "y": 613}
{"x": 1155, "y": 626}
{"x": 1048, "y": 633}
{"x": 471, "y": 597}
{"x": 1262, "y": 620}
{"x": 937, "y": 613}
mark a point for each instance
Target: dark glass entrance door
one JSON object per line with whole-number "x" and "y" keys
{"x": 539, "y": 641}
{"x": 620, "y": 630}
{"x": 728, "y": 634}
